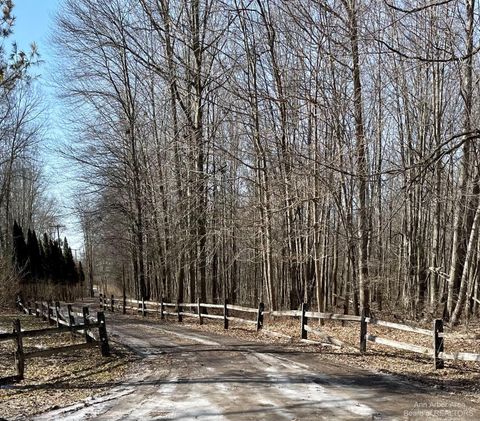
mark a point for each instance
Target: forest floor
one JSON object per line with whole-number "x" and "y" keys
{"x": 56, "y": 381}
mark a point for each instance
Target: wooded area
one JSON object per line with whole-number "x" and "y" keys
{"x": 317, "y": 151}
{"x": 263, "y": 150}
{"x": 24, "y": 201}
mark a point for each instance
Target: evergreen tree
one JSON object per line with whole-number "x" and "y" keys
{"x": 34, "y": 256}
{"x": 20, "y": 253}
{"x": 81, "y": 273}
{"x": 29, "y": 268}
{"x": 41, "y": 252}
{"x": 71, "y": 275}
{"x": 47, "y": 258}
{"x": 57, "y": 262}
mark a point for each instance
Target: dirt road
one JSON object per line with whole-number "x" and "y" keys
{"x": 185, "y": 374}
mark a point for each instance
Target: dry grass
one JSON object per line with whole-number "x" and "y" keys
{"x": 55, "y": 381}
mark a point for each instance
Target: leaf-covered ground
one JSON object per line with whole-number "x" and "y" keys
{"x": 58, "y": 380}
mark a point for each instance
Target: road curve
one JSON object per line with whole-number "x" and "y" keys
{"x": 184, "y": 374}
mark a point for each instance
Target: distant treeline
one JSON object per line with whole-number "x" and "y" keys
{"x": 41, "y": 260}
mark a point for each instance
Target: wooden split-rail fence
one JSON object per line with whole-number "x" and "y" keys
{"x": 179, "y": 310}
{"x": 163, "y": 309}
{"x": 66, "y": 320}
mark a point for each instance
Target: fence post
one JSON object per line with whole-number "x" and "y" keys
{"x": 102, "y": 333}
{"x": 438, "y": 343}
{"x": 57, "y": 312}
{"x": 144, "y": 308}
{"x": 71, "y": 318}
{"x": 225, "y": 315}
{"x": 162, "y": 309}
{"x": 19, "y": 355}
{"x": 112, "y": 303}
{"x": 179, "y": 311}
{"x": 199, "y": 311}
{"x": 49, "y": 313}
{"x": 86, "y": 322}
{"x": 29, "y": 308}
{"x": 261, "y": 308}
{"x": 303, "y": 321}
{"x": 363, "y": 334}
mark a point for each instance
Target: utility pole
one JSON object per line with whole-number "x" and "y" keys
{"x": 75, "y": 251}
{"x": 57, "y": 227}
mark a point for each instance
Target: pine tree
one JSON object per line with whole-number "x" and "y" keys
{"x": 47, "y": 258}
{"x": 29, "y": 268}
{"x": 41, "y": 253}
{"x": 57, "y": 262}
{"x": 20, "y": 254}
{"x": 81, "y": 273}
{"x": 71, "y": 275}
{"x": 34, "y": 256}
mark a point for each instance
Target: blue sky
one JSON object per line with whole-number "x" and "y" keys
{"x": 34, "y": 23}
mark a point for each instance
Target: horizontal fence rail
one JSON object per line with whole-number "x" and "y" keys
{"x": 179, "y": 310}
{"x": 398, "y": 326}
{"x": 66, "y": 321}
{"x": 236, "y": 313}
{"x": 400, "y": 345}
